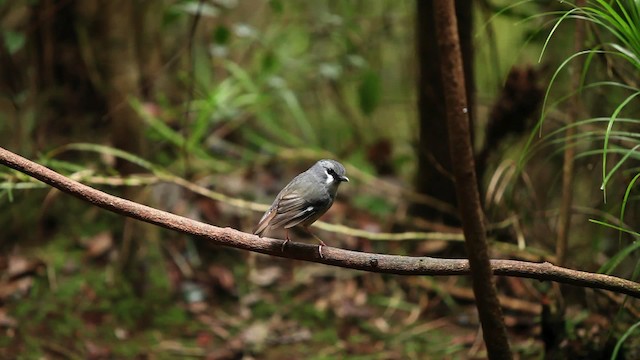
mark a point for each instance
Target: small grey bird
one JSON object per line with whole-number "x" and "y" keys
{"x": 307, "y": 197}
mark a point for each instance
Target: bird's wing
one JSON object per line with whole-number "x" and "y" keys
{"x": 292, "y": 201}
{"x": 292, "y": 210}
{"x": 288, "y": 206}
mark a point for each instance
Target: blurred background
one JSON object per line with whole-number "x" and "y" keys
{"x": 207, "y": 108}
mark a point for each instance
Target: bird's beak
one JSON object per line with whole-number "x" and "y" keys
{"x": 344, "y": 179}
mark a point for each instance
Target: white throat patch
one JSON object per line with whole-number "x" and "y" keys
{"x": 329, "y": 177}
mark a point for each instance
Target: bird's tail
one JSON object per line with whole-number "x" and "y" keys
{"x": 263, "y": 225}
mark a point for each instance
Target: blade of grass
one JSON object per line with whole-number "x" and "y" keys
{"x": 623, "y": 338}
{"x": 606, "y": 140}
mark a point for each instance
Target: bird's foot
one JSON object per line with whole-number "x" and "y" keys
{"x": 319, "y": 240}
{"x": 286, "y": 239}
{"x": 320, "y": 247}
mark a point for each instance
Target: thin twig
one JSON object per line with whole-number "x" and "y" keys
{"x": 564, "y": 220}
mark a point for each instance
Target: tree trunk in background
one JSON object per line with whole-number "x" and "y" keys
{"x": 122, "y": 78}
{"x": 434, "y": 161}
{"x": 62, "y": 90}
{"x": 123, "y": 83}
{"x": 564, "y": 218}
{"x": 149, "y": 47}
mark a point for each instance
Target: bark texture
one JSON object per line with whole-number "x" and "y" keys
{"x": 494, "y": 331}
{"x": 434, "y": 177}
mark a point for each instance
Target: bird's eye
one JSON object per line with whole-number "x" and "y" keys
{"x": 331, "y": 172}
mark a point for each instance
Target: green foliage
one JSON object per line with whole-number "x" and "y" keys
{"x": 620, "y": 24}
{"x": 621, "y": 21}
{"x": 307, "y": 314}
{"x": 173, "y": 317}
{"x": 326, "y": 335}
{"x": 278, "y": 87}
{"x": 376, "y": 205}
{"x": 369, "y": 92}
{"x": 615, "y": 27}
{"x": 264, "y": 309}
{"x": 221, "y": 35}
{"x": 13, "y": 41}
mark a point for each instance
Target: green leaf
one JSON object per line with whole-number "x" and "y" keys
{"x": 277, "y": 6}
{"x": 369, "y": 92}
{"x": 14, "y": 41}
{"x": 270, "y": 62}
{"x": 221, "y": 35}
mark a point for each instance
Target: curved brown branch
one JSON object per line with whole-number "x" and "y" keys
{"x": 392, "y": 264}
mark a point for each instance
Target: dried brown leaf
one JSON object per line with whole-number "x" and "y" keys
{"x": 16, "y": 288}
{"x": 223, "y": 277}
{"x": 19, "y": 266}
{"x": 266, "y": 276}
{"x": 7, "y": 321}
{"x": 99, "y": 244}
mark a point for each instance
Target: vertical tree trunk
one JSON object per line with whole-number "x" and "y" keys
{"x": 434, "y": 161}
{"x": 61, "y": 91}
{"x": 494, "y": 331}
{"x": 122, "y": 83}
{"x": 149, "y": 47}
{"x": 564, "y": 219}
{"x": 553, "y": 313}
{"x": 122, "y": 78}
